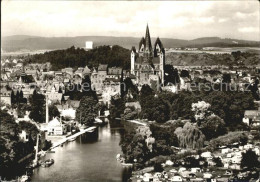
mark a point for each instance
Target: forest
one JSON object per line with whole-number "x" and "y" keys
{"x": 78, "y": 57}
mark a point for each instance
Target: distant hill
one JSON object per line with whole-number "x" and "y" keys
{"x": 25, "y": 42}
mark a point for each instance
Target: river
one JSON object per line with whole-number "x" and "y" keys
{"x": 91, "y": 157}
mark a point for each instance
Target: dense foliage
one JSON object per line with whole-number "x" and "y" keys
{"x": 117, "y": 107}
{"x": 165, "y": 137}
{"x": 12, "y": 149}
{"x": 134, "y": 144}
{"x": 229, "y": 138}
{"x": 37, "y": 102}
{"x": 78, "y": 57}
{"x": 244, "y": 58}
{"x": 87, "y": 110}
{"x": 190, "y": 136}
{"x": 250, "y": 159}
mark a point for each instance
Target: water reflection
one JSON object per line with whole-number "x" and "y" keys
{"x": 90, "y": 158}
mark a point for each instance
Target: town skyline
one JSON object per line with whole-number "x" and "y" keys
{"x": 177, "y": 20}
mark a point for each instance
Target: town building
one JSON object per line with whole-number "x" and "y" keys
{"x": 147, "y": 61}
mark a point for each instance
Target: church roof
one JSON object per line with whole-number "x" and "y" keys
{"x": 133, "y": 49}
{"x": 142, "y": 41}
{"x": 148, "y": 44}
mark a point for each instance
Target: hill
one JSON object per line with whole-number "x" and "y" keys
{"x": 194, "y": 59}
{"x": 77, "y": 57}
{"x": 32, "y": 43}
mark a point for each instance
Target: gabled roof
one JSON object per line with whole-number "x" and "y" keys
{"x": 142, "y": 41}
{"x": 133, "y": 49}
{"x": 114, "y": 71}
{"x": 158, "y": 41}
{"x": 148, "y": 44}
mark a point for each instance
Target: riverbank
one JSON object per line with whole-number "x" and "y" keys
{"x": 134, "y": 121}
{"x": 63, "y": 140}
{"x": 91, "y": 157}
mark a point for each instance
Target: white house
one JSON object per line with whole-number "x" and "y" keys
{"x": 225, "y": 150}
{"x": 206, "y": 155}
{"x": 55, "y": 127}
{"x": 207, "y": 175}
{"x": 89, "y": 45}
{"x": 236, "y": 160}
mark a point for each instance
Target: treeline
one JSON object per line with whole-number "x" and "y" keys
{"x": 236, "y": 58}
{"x": 78, "y": 57}
{"x": 224, "y": 44}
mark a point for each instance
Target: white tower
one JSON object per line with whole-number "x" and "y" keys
{"x": 133, "y": 53}
{"x": 162, "y": 67}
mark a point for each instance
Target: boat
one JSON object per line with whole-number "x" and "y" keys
{"x": 72, "y": 139}
{"x": 47, "y": 163}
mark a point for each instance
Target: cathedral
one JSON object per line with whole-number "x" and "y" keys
{"x": 147, "y": 64}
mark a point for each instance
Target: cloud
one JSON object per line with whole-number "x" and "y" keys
{"x": 205, "y": 20}
{"x": 222, "y": 20}
{"x": 173, "y": 19}
{"x": 248, "y": 29}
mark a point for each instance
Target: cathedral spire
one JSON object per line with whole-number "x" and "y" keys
{"x": 148, "y": 44}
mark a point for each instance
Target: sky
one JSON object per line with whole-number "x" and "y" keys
{"x": 167, "y": 19}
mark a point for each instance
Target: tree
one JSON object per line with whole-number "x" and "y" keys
{"x": 250, "y": 159}
{"x": 87, "y": 110}
{"x": 128, "y": 88}
{"x": 165, "y": 138}
{"x": 21, "y": 99}
{"x": 17, "y": 97}
{"x": 226, "y": 78}
{"x": 154, "y": 109}
{"x": 22, "y": 108}
{"x": 53, "y": 111}
{"x": 137, "y": 149}
{"x": 212, "y": 127}
{"x": 184, "y": 73}
{"x": 86, "y": 84}
{"x": 158, "y": 167}
{"x": 201, "y": 110}
{"x": 37, "y": 102}
{"x": 13, "y": 99}
{"x": 171, "y": 75}
{"x": 191, "y": 162}
{"x": 190, "y": 136}
{"x": 218, "y": 161}
{"x": 181, "y": 105}
{"x": 117, "y": 107}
